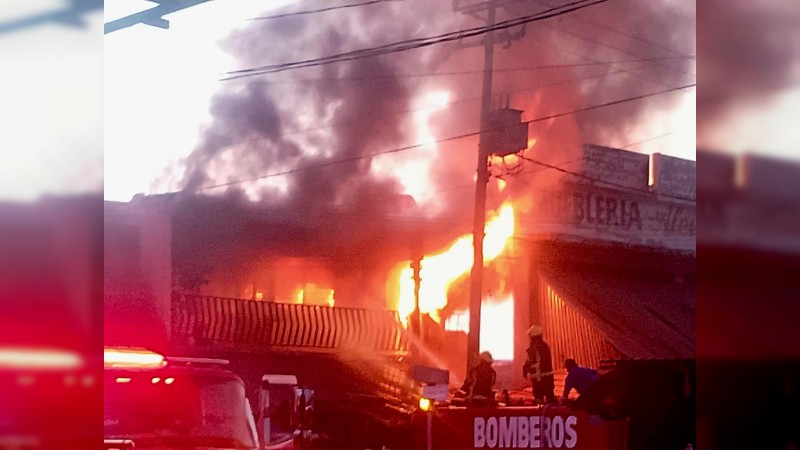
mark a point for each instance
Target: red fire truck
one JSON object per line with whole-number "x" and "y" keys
{"x": 543, "y": 427}
{"x": 152, "y": 401}
{"x": 158, "y": 402}
{"x": 637, "y": 405}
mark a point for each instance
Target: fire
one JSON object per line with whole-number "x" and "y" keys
{"x": 497, "y": 326}
{"x": 311, "y": 294}
{"x": 441, "y": 270}
{"x": 508, "y": 160}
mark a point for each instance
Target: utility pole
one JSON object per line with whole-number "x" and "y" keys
{"x": 476, "y": 275}
{"x": 416, "y": 317}
{"x": 484, "y": 151}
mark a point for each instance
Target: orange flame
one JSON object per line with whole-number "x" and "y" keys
{"x": 439, "y": 271}
{"x": 311, "y": 294}
{"x": 497, "y": 330}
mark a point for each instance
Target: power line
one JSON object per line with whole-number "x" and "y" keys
{"x": 615, "y": 102}
{"x": 448, "y": 139}
{"x": 562, "y": 30}
{"x": 649, "y": 79}
{"x": 595, "y": 41}
{"x": 632, "y": 36}
{"x": 598, "y": 180}
{"x": 451, "y": 103}
{"x": 566, "y": 49}
{"x": 618, "y": 31}
{"x": 384, "y": 76}
{"x": 647, "y": 140}
{"x": 583, "y": 158}
{"x": 412, "y": 43}
{"x": 453, "y": 220}
{"x": 520, "y": 173}
{"x": 314, "y": 11}
{"x": 424, "y": 42}
{"x": 472, "y": 72}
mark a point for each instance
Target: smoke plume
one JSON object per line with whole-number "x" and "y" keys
{"x": 305, "y": 138}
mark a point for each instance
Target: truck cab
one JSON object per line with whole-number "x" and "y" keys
{"x": 284, "y": 412}
{"x": 151, "y": 401}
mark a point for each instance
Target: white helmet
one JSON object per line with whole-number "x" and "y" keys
{"x": 535, "y": 330}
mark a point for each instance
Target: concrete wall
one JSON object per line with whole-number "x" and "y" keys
{"x": 137, "y": 267}
{"x": 673, "y": 177}
{"x": 609, "y": 199}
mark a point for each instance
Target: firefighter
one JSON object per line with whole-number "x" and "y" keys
{"x": 578, "y": 378}
{"x": 539, "y": 367}
{"x": 480, "y": 381}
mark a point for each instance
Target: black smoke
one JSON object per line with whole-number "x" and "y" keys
{"x": 246, "y": 117}
{"x": 322, "y": 131}
{"x": 322, "y": 124}
{"x": 654, "y": 42}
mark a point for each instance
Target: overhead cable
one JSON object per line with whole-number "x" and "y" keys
{"x": 412, "y": 43}
{"x": 447, "y": 139}
{"x": 320, "y": 10}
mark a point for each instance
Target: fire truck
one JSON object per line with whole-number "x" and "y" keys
{"x": 152, "y": 401}
{"x": 636, "y": 405}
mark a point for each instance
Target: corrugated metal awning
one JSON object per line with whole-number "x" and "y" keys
{"x": 641, "y": 317}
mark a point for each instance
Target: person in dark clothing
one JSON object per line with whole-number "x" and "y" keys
{"x": 539, "y": 367}
{"x": 480, "y": 381}
{"x": 578, "y": 378}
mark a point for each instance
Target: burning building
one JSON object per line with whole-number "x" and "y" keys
{"x": 602, "y": 257}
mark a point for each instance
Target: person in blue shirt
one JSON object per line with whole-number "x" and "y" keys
{"x": 578, "y": 378}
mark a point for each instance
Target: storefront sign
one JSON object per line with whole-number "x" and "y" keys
{"x": 579, "y": 211}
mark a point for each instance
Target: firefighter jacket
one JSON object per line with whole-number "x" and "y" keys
{"x": 480, "y": 380}
{"x": 539, "y": 363}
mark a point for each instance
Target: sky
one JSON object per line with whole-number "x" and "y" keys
{"x": 51, "y": 108}
{"x": 159, "y": 86}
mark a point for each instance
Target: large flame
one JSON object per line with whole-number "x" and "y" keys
{"x": 497, "y": 326}
{"x": 441, "y": 270}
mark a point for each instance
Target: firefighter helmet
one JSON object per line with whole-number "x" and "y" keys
{"x": 535, "y": 330}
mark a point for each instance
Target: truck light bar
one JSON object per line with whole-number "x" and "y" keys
{"x": 132, "y": 358}
{"x": 37, "y": 358}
